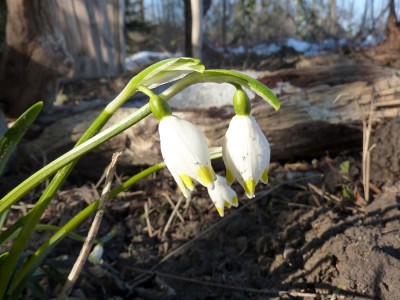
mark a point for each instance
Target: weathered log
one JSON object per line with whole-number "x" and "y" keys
{"x": 313, "y": 121}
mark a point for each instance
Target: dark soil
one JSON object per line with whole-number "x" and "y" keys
{"x": 302, "y": 237}
{"x": 385, "y": 157}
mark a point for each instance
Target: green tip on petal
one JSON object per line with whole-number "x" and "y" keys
{"x": 220, "y": 211}
{"x": 264, "y": 176}
{"x": 227, "y": 204}
{"x": 241, "y": 102}
{"x": 229, "y": 177}
{"x": 235, "y": 201}
{"x": 206, "y": 176}
{"x": 249, "y": 187}
{"x": 187, "y": 181}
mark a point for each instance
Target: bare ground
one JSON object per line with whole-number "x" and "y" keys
{"x": 301, "y": 238}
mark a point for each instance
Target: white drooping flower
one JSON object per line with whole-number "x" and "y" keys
{"x": 185, "y": 153}
{"x": 222, "y": 195}
{"x": 96, "y": 254}
{"x": 246, "y": 153}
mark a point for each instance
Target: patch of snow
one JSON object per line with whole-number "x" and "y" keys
{"x": 237, "y": 50}
{"x": 298, "y": 45}
{"x": 140, "y": 60}
{"x": 266, "y": 49}
{"x": 372, "y": 40}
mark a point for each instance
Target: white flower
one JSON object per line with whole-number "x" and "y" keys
{"x": 96, "y": 254}
{"x": 185, "y": 153}
{"x": 246, "y": 153}
{"x": 222, "y": 195}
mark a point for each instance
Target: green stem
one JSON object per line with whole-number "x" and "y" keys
{"x": 36, "y": 259}
{"x": 224, "y": 76}
{"x": 27, "y": 185}
{"x": 48, "y": 227}
{"x": 87, "y": 143}
{"x": 217, "y": 76}
{"x": 20, "y": 243}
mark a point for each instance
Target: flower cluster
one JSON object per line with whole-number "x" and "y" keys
{"x": 245, "y": 152}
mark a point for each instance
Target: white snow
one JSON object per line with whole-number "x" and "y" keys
{"x": 140, "y": 60}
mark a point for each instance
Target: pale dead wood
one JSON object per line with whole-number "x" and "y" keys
{"x": 179, "y": 215}
{"x": 83, "y": 255}
{"x": 366, "y": 153}
{"x": 171, "y": 217}
{"x": 147, "y": 217}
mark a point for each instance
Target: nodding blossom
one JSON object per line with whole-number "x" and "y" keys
{"x": 185, "y": 153}
{"x": 222, "y": 195}
{"x": 96, "y": 254}
{"x": 246, "y": 151}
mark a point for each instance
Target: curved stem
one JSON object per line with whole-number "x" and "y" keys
{"x": 89, "y": 140}
{"x": 173, "y": 66}
{"x": 217, "y": 76}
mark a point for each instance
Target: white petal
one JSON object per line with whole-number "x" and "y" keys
{"x": 246, "y": 151}
{"x": 96, "y": 254}
{"x": 222, "y": 195}
{"x": 184, "y": 149}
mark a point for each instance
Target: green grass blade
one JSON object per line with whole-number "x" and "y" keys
{"x": 9, "y": 141}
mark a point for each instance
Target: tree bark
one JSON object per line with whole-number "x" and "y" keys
{"x": 188, "y": 28}
{"x": 387, "y": 52}
{"x": 34, "y": 57}
{"x": 315, "y": 119}
{"x": 197, "y": 32}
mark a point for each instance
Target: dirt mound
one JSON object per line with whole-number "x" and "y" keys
{"x": 304, "y": 253}
{"x": 385, "y": 157}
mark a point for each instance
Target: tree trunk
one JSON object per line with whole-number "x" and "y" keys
{"x": 197, "y": 33}
{"x": 223, "y": 25}
{"x": 35, "y": 56}
{"x": 188, "y": 28}
{"x": 319, "y": 114}
{"x": 387, "y": 52}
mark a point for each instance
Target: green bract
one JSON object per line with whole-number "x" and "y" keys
{"x": 241, "y": 103}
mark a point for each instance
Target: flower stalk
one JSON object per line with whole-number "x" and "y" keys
{"x": 193, "y": 163}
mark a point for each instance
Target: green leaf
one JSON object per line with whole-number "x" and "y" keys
{"x": 172, "y": 70}
{"x": 344, "y": 167}
{"x": 13, "y": 136}
{"x": 346, "y": 192}
{"x": 224, "y": 76}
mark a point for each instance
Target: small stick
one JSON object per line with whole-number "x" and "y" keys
{"x": 173, "y": 206}
{"x": 323, "y": 194}
{"x": 171, "y": 217}
{"x": 83, "y": 255}
{"x": 232, "y": 287}
{"x": 366, "y": 156}
{"x": 146, "y": 214}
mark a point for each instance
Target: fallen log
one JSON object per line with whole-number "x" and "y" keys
{"x": 314, "y": 120}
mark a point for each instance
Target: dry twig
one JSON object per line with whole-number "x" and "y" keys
{"x": 171, "y": 217}
{"x": 178, "y": 214}
{"x": 366, "y": 157}
{"x": 271, "y": 292}
{"x": 146, "y": 214}
{"x": 83, "y": 255}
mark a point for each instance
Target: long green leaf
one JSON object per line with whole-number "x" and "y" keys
{"x": 9, "y": 141}
{"x": 176, "y": 66}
